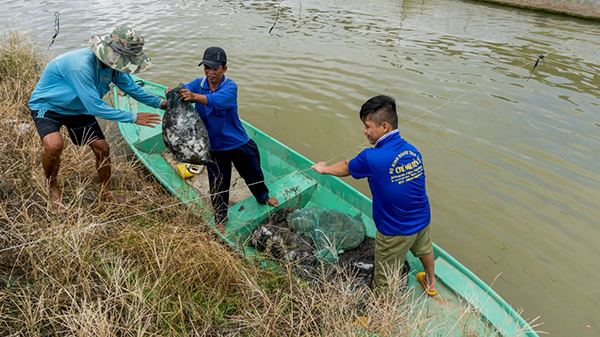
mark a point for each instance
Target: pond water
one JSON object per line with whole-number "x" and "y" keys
{"x": 513, "y": 165}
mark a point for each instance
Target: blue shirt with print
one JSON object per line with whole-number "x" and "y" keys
{"x": 220, "y": 114}
{"x": 75, "y": 82}
{"x": 396, "y": 176}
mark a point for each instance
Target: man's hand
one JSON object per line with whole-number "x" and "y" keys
{"x": 187, "y": 95}
{"x": 338, "y": 169}
{"x": 163, "y": 105}
{"x": 320, "y": 167}
{"x": 147, "y": 119}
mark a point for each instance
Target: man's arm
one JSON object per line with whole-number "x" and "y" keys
{"x": 189, "y": 96}
{"x": 81, "y": 81}
{"x": 126, "y": 83}
{"x": 338, "y": 169}
{"x": 224, "y": 98}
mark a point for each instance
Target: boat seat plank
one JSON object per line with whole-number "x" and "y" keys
{"x": 293, "y": 190}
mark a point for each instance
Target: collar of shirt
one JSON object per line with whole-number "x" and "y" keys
{"x": 102, "y": 68}
{"x": 384, "y": 137}
{"x": 204, "y": 83}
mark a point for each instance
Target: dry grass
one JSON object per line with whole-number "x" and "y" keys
{"x": 105, "y": 270}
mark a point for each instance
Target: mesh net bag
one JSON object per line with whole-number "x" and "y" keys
{"x": 332, "y": 232}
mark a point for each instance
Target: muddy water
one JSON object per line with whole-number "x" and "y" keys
{"x": 513, "y": 166}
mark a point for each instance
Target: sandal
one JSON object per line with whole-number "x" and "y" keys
{"x": 420, "y": 277}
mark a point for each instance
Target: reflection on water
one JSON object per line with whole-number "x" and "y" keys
{"x": 512, "y": 165}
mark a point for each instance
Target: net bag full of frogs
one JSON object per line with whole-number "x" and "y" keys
{"x": 332, "y": 232}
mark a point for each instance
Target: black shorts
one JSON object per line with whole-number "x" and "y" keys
{"x": 83, "y": 129}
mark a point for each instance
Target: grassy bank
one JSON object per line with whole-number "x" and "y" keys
{"x": 100, "y": 269}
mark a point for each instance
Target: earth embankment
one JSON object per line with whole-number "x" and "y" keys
{"x": 582, "y": 8}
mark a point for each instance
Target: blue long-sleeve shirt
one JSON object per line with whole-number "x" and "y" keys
{"x": 75, "y": 82}
{"x": 220, "y": 114}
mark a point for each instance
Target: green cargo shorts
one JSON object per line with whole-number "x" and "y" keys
{"x": 390, "y": 253}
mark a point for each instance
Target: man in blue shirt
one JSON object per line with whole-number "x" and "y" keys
{"x": 401, "y": 210}
{"x": 70, "y": 93}
{"x": 216, "y": 102}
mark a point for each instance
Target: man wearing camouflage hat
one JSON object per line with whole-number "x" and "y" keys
{"x": 70, "y": 93}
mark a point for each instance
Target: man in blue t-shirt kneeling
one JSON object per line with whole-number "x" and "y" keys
{"x": 396, "y": 176}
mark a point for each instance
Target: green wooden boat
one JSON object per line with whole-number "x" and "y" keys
{"x": 290, "y": 179}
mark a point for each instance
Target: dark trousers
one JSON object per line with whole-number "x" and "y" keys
{"x": 247, "y": 162}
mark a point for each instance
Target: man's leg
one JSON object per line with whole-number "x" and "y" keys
{"x": 102, "y": 152}
{"x": 390, "y": 253}
{"x": 423, "y": 249}
{"x": 219, "y": 179}
{"x": 85, "y": 130}
{"x": 247, "y": 162}
{"x": 428, "y": 262}
{"x": 53, "y": 146}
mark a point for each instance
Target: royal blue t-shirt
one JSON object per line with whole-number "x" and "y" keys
{"x": 220, "y": 114}
{"x": 397, "y": 181}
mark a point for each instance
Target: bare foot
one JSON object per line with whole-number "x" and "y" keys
{"x": 109, "y": 196}
{"x": 56, "y": 200}
{"x": 273, "y": 202}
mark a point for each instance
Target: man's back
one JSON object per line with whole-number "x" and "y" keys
{"x": 54, "y": 90}
{"x": 397, "y": 181}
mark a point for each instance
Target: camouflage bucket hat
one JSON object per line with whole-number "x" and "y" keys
{"x": 121, "y": 50}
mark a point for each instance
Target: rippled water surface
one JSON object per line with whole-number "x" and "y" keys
{"x": 513, "y": 166}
